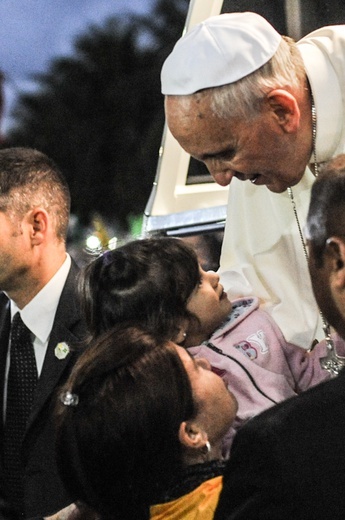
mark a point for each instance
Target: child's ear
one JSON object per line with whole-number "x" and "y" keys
{"x": 180, "y": 338}
{"x": 192, "y": 436}
{"x": 182, "y": 333}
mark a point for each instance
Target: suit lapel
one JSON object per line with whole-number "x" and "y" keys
{"x": 68, "y": 327}
{"x": 5, "y": 325}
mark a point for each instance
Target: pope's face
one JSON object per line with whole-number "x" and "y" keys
{"x": 258, "y": 151}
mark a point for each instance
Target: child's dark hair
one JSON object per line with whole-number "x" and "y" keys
{"x": 148, "y": 281}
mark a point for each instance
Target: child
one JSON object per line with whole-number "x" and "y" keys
{"x": 158, "y": 283}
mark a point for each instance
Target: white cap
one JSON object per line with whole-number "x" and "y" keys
{"x": 218, "y": 51}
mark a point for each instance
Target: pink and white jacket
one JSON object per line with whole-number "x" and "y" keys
{"x": 259, "y": 367}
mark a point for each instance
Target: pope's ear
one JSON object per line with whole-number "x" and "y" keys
{"x": 285, "y": 109}
{"x": 335, "y": 251}
{"x": 191, "y": 435}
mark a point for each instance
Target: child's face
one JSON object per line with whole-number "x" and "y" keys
{"x": 209, "y": 302}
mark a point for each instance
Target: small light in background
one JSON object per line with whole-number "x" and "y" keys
{"x": 93, "y": 243}
{"x": 112, "y": 243}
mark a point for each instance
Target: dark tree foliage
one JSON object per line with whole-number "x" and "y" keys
{"x": 99, "y": 113}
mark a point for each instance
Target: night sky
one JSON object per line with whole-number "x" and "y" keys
{"x": 32, "y": 32}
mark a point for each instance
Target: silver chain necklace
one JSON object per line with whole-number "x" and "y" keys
{"x": 332, "y": 362}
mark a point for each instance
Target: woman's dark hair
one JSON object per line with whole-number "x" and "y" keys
{"x": 147, "y": 281}
{"x": 117, "y": 440}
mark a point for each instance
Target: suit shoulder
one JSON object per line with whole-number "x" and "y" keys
{"x": 316, "y": 405}
{"x": 3, "y": 299}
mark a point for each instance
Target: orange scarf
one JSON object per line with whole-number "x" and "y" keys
{"x": 199, "y": 504}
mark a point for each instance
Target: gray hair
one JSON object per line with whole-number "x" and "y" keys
{"x": 244, "y": 97}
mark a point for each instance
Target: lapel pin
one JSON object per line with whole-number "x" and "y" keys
{"x": 61, "y": 350}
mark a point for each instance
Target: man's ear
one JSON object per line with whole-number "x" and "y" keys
{"x": 38, "y": 221}
{"x": 191, "y": 435}
{"x": 335, "y": 251}
{"x": 285, "y": 109}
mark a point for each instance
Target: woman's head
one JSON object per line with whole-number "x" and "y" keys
{"x": 132, "y": 411}
{"x": 148, "y": 281}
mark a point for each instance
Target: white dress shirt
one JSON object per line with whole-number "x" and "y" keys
{"x": 39, "y": 314}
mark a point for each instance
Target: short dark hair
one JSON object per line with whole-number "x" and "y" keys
{"x": 29, "y": 178}
{"x": 326, "y": 214}
{"x": 148, "y": 281}
{"x": 118, "y": 448}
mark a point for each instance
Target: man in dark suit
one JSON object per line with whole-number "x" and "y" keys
{"x": 38, "y": 281}
{"x": 289, "y": 462}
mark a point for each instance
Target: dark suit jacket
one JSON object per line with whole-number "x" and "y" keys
{"x": 289, "y": 462}
{"x": 44, "y": 492}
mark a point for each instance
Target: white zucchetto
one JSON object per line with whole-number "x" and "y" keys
{"x": 220, "y": 50}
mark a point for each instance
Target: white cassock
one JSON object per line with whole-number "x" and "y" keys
{"x": 262, "y": 252}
